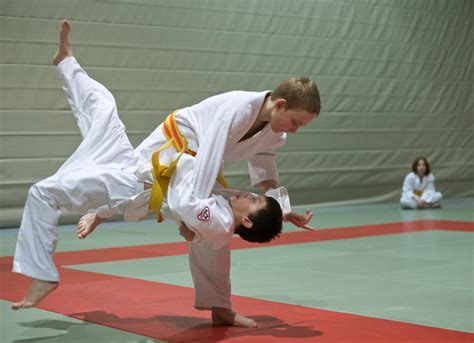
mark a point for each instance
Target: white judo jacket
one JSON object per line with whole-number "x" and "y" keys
{"x": 213, "y": 129}
{"x": 211, "y": 219}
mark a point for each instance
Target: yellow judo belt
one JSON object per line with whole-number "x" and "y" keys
{"x": 162, "y": 173}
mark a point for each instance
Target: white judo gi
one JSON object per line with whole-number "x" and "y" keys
{"x": 99, "y": 175}
{"x": 102, "y": 175}
{"x": 214, "y": 129}
{"x": 415, "y": 189}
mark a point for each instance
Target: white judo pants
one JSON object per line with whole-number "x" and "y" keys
{"x": 429, "y": 197}
{"x": 98, "y": 176}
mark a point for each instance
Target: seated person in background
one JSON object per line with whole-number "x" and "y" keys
{"x": 418, "y": 188}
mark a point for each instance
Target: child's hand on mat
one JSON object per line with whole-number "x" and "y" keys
{"x": 299, "y": 220}
{"x": 186, "y": 233}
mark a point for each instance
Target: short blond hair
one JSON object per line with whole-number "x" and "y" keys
{"x": 300, "y": 93}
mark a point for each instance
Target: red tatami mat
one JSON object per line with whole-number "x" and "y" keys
{"x": 166, "y": 312}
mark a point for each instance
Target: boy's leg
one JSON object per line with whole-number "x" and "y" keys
{"x": 432, "y": 199}
{"x": 105, "y": 141}
{"x": 106, "y": 185}
{"x": 95, "y": 110}
{"x": 36, "y": 243}
{"x": 408, "y": 203}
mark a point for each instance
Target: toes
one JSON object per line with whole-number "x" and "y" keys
{"x": 21, "y": 304}
{"x": 28, "y": 305}
{"x": 65, "y": 25}
{"x": 83, "y": 234}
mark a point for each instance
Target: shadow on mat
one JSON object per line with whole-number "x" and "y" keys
{"x": 268, "y": 326}
{"x": 197, "y": 327}
{"x": 70, "y": 332}
{"x": 67, "y": 328}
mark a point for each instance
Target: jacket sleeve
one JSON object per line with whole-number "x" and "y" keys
{"x": 210, "y": 220}
{"x": 211, "y": 153}
{"x": 263, "y": 167}
{"x": 408, "y": 189}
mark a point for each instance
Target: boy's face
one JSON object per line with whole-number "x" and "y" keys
{"x": 291, "y": 120}
{"x": 246, "y": 203}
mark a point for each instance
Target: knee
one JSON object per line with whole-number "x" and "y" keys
{"x": 407, "y": 204}
{"x": 35, "y": 190}
{"x": 42, "y": 190}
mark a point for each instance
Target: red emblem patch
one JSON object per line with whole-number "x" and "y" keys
{"x": 205, "y": 214}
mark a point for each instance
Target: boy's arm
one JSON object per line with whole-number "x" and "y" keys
{"x": 429, "y": 193}
{"x": 430, "y": 187}
{"x": 264, "y": 175}
{"x": 408, "y": 187}
{"x": 210, "y": 220}
{"x": 263, "y": 170}
{"x": 186, "y": 233}
{"x": 211, "y": 153}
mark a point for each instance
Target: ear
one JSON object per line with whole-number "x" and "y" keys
{"x": 247, "y": 223}
{"x": 280, "y": 103}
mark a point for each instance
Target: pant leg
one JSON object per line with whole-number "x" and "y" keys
{"x": 431, "y": 197}
{"x": 98, "y": 175}
{"x": 95, "y": 110}
{"x": 96, "y": 188}
{"x": 99, "y": 188}
{"x": 408, "y": 202}
{"x": 210, "y": 270}
{"x": 38, "y": 234}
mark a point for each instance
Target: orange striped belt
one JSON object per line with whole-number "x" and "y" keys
{"x": 162, "y": 173}
{"x": 180, "y": 143}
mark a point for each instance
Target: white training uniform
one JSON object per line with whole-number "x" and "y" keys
{"x": 412, "y": 184}
{"x": 99, "y": 175}
{"x": 211, "y": 218}
{"x": 213, "y": 129}
{"x": 102, "y": 175}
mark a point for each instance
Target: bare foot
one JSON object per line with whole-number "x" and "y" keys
{"x": 87, "y": 224}
{"x": 420, "y": 204}
{"x": 65, "y": 49}
{"x": 224, "y": 316}
{"x": 38, "y": 290}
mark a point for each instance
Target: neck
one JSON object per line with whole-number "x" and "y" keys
{"x": 236, "y": 220}
{"x": 263, "y": 117}
{"x": 265, "y": 113}
{"x": 236, "y": 225}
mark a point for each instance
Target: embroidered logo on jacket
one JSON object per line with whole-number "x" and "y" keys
{"x": 205, "y": 214}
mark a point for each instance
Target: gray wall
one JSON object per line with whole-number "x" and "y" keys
{"x": 395, "y": 79}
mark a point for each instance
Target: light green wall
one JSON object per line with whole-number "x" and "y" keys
{"x": 395, "y": 79}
